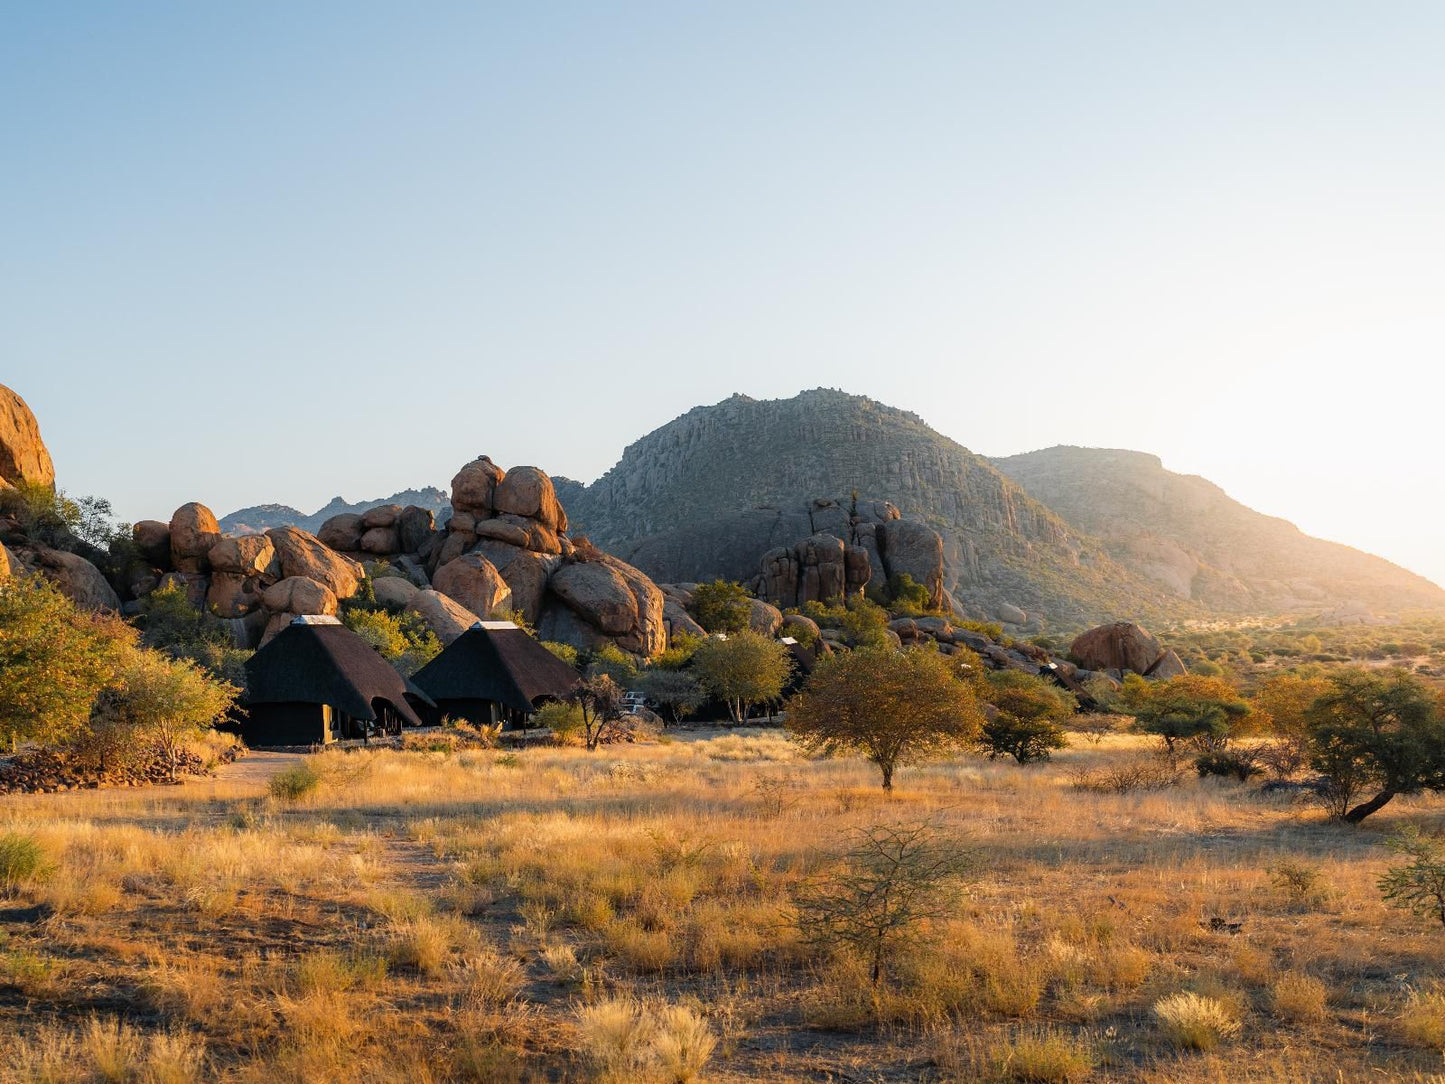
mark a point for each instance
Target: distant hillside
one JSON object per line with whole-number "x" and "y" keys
{"x": 1188, "y": 535}
{"x": 262, "y": 517}
{"x": 684, "y": 504}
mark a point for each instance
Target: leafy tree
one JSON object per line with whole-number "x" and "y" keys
{"x": 1380, "y": 731}
{"x": 722, "y": 606}
{"x": 1187, "y": 708}
{"x": 893, "y": 880}
{"x": 1419, "y": 885}
{"x": 1280, "y": 707}
{"x": 402, "y": 639}
{"x": 864, "y": 623}
{"x": 677, "y": 691}
{"x": 1028, "y": 721}
{"x": 680, "y": 649}
{"x": 170, "y": 700}
{"x": 893, "y": 707}
{"x": 599, "y": 699}
{"x": 54, "y": 661}
{"x": 907, "y": 597}
{"x": 742, "y": 670}
{"x": 617, "y": 664}
{"x": 60, "y": 521}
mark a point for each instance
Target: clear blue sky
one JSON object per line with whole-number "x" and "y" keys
{"x": 256, "y": 252}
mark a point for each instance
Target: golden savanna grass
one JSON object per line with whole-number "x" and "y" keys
{"x": 628, "y": 914}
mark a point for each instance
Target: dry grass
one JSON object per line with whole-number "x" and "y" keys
{"x": 559, "y": 915}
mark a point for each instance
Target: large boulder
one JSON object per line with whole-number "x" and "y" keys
{"x": 500, "y": 530}
{"x": 301, "y": 554}
{"x": 561, "y": 623}
{"x": 916, "y": 549}
{"x": 1169, "y": 665}
{"x": 528, "y": 492}
{"x": 526, "y": 574}
{"x": 383, "y": 515}
{"x": 474, "y": 486}
{"x": 444, "y": 616}
{"x": 678, "y": 620}
{"x": 801, "y": 628}
{"x": 1120, "y": 646}
{"x": 764, "y": 619}
{"x": 8, "y": 567}
{"x": 248, "y": 555}
{"x": 822, "y": 569}
{"x": 76, "y": 577}
{"x": 233, "y": 594}
{"x": 648, "y": 636}
{"x": 193, "y": 531}
{"x": 23, "y": 457}
{"x": 153, "y": 540}
{"x": 299, "y": 595}
{"x": 394, "y": 591}
{"x": 414, "y": 528}
{"x": 474, "y": 582}
{"x": 380, "y": 541}
{"x": 342, "y": 532}
{"x": 598, "y": 593}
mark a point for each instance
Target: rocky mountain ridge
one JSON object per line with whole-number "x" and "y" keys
{"x": 1188, "y": 535}
{"x": 259, "y": 518}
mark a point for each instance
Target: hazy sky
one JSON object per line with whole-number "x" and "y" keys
{"x": 276, "y": 252}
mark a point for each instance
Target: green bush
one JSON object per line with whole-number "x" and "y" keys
{"x": 21, "y": 860}
{"x": 294, "y": 783}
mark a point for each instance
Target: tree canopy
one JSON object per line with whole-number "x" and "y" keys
{"x": 1027, "y": 723}
{"x": 742, "y": 670}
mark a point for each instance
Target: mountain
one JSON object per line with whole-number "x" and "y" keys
{"x": 263, "y": 517}
{"x": 1188, "y": 535}
{"x": 708, "y": 493}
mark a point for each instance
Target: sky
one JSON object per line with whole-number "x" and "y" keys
{"x": 274, "y": 252}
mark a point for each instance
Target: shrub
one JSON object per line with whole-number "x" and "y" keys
{"x": 294, "y": 783}
{"x": 21, "y": 861}
{"x": 1422, "y": 1020}
{"x": 1028, "y": 722}
{"x": 1303, "y": 884}
{"x": 1419, "y": 885}
{"x": 1046, "y": 1057}
{"x": 566, "y": 652}
{"x": 1299, "y": 997}
{"x": 564, "y": 720}
{"x": 1194, "y": 1022}
{"x": 1227, "y": 764}
{"x": 683, "y": 1044}
{"x": 615, "y": 1035}
{"x": 1140, "y": 773}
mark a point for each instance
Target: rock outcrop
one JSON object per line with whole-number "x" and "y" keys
{"x": 23, "y": 455}
{"x": 1124, "y": 646}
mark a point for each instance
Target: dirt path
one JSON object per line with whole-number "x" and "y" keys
{"x": 254, "y": 768}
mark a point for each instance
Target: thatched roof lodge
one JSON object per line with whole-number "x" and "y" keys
{"x": 495, "y": 673}
{"x": 317, "y": 682}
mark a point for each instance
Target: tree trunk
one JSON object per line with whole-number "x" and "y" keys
{"x": 1364, "y": 809}
{"x": 887, "y": 771}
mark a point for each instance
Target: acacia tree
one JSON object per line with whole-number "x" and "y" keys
{"x": 892, "y": 707}
{"x": 170, "y": 701}
{"x": 1027, "y": 723}
{"x": 599, "y": 699}
{"x": 1280, "y": 706}
{"x": 721, "y": 606}
{"x": 54, "y": 661}
{"x": 744, "y": 669}
{"x": 1189, "y": 708}
{"x": 1376, "y": 731}
{"x": 678, "y": 691}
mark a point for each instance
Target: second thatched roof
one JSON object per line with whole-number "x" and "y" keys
{"x": 497, "y": 661}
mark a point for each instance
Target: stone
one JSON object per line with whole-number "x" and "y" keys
{"x": 446, "y": 617}
{"x": 342, "y": 532}
{"x": 528, "y": 492}
{"x": 394, "y": 591}
{"x": 414, "y": 527}
{"x": 299, "y": 595}
{"x": 23, "y": 456}
{"x": 411, "y": 567}
{"x": 274, "y": 625}
{"x": 857, "y": 569}
{"x": 598, "y": 593}
{"x": 1120, "y": 646}
{"x": 1010, "y": 614}
{"x": 475, "y": 583}
{"x": 7, "y": 567}
{"x": 938, "y": 628}
{"x": 153, "y": 540}
{"x": 1169, "y": 665}
{"x": 77, "y": 578}
{"x": 679, "y": 621}
{"x": 763, "y": 618}
{"x": 248, "y": 555}
{"x": 562, "y": 624}
{"x": 474, "y": 486}
{"x": 526, "y": 574}
{"x": 540, "y": 537}
{"x": 383, "y": 515}
{"x": 916, "y": 549}
{"x": 380, "y": 540}
{"x": 501, "y": 530}
{"x": 193, "y": 531}
{"x": 233, "y": 594}
{"x": 456, "y": 544}
{"x": 301, "y": 554}
{"x": 648, "y": 636}
{"x": 801, "y": 628}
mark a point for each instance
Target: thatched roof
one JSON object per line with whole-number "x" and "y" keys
{"x": 497, "y": 661}
{"x": 316, "y": 661}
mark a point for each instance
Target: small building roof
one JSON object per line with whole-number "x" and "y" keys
{"x": 318, "y": 660}
{"x": 497, "y": 661}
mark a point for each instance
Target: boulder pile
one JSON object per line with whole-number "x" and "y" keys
{"x": 1124, "y": 647}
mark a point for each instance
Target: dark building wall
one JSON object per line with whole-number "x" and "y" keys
{"x": 285, "y": 724}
